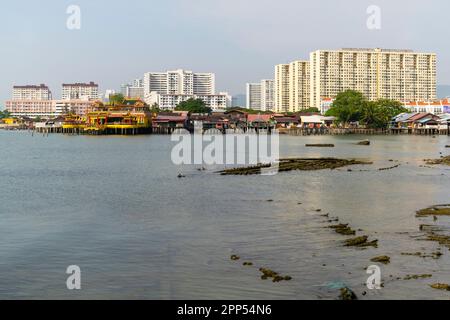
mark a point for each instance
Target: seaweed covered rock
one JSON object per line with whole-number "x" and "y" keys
{"x": 441, "y": 239}
{"x": 347, "y": 294}
{"x": 364, "y": 143}
{"x": 381, "y": 259}
{"x": 439, "y": 210}
{"x": 417, "y": 276}
{"x": 302, "y": 164}
{"x": 268, "y": 273}
{"x": 441, "y": 161}
{"x": 440, "y": 286}
{"x": 320, "y": 145}
{"x": 343, "y": 229}
{"x": 361, "y": 242}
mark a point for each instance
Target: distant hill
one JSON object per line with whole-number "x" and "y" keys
{"x": 443, "y": 91}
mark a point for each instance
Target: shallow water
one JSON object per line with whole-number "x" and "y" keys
{"x": 115, "y": 207}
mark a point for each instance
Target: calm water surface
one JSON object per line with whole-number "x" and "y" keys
{"x": 115, "y": 207}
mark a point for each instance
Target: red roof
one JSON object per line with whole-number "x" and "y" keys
{"x": 259, "y": 117}
{"x": 163, "y": 118}
{"x": 418, "y": 116}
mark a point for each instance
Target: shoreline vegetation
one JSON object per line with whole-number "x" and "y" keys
{"x": 294, "y": 164}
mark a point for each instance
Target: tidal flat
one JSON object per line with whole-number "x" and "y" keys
{"x": 115, "y": 207}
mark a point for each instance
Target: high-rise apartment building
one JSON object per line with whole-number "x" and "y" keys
{"x": 267, "y": 94}
{"x": 168, "y": 89}
{"x": 299, "y": 87}
{"x": 32, "y": 92}
{"x": 401, "y": 75}
{"x": 179, "y": 82}
{"x": 292, "y": 86}
{"x": 254, "y": 96}
{"x": 282, "y": 88}
{"x": 260, "y": 96}
{"x": 75, "y": 91}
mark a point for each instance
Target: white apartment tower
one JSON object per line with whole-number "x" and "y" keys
{"x": 260, "y": 96}
{"x": 267, "y": 94}
{"x": 77, "y": 91}
{"x": 299, "y": 86}
{"x": 168, "y": 89}
{"x": 179, "y": 82}
{"x": 32, "y": 92}
{"x": 253, "y": 96}
{"x": 401, "y": 75}
{"x": 292, "y": 86}
{"x": 282, "y": 88}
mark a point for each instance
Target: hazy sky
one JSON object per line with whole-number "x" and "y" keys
{"x": 239, "y": 40}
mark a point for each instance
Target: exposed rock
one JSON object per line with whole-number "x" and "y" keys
{"x": 382, "y": 259}
{"x": 439, "y": 210}
{"x": 417, "y": 276}
{"x": 441, "y": 239}
{"x": 343, "y": 229}
{"x": 267, "y": 273}
{"x": 361, "y": 242}
{"x": 364, "y": 143}
{"x": 442, "y": 161}
{"x": 321, "y": 145}
{"x": 347, "y": 294}
{"x": 303, "y": 164}
{"x": 389, "y": 168}
{"x": 440, "y": 286}
{"x": 434, "y": 255}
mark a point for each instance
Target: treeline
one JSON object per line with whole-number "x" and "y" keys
{"x": 351, "y": 106}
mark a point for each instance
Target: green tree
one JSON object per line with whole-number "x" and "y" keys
{"x": 347, "y": 106}
{"x": 351, "y": 106}
{"x": 155, "y": 108}
{"x": 116, "y": 99}
{"x": 193, "y": 106}
{"x": 371, "y": 114}
{"x": 310, "y": 110}
{"x": 378, "y": 114}
{"x": 249, "y": 111}
{"x": 4, "y": 114}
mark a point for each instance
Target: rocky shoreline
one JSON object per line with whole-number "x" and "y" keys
{"x": 302, "y": 164}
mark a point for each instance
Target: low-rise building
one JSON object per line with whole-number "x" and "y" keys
{"x": 47, "y": 108}
{"x": 434, "y": 107}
